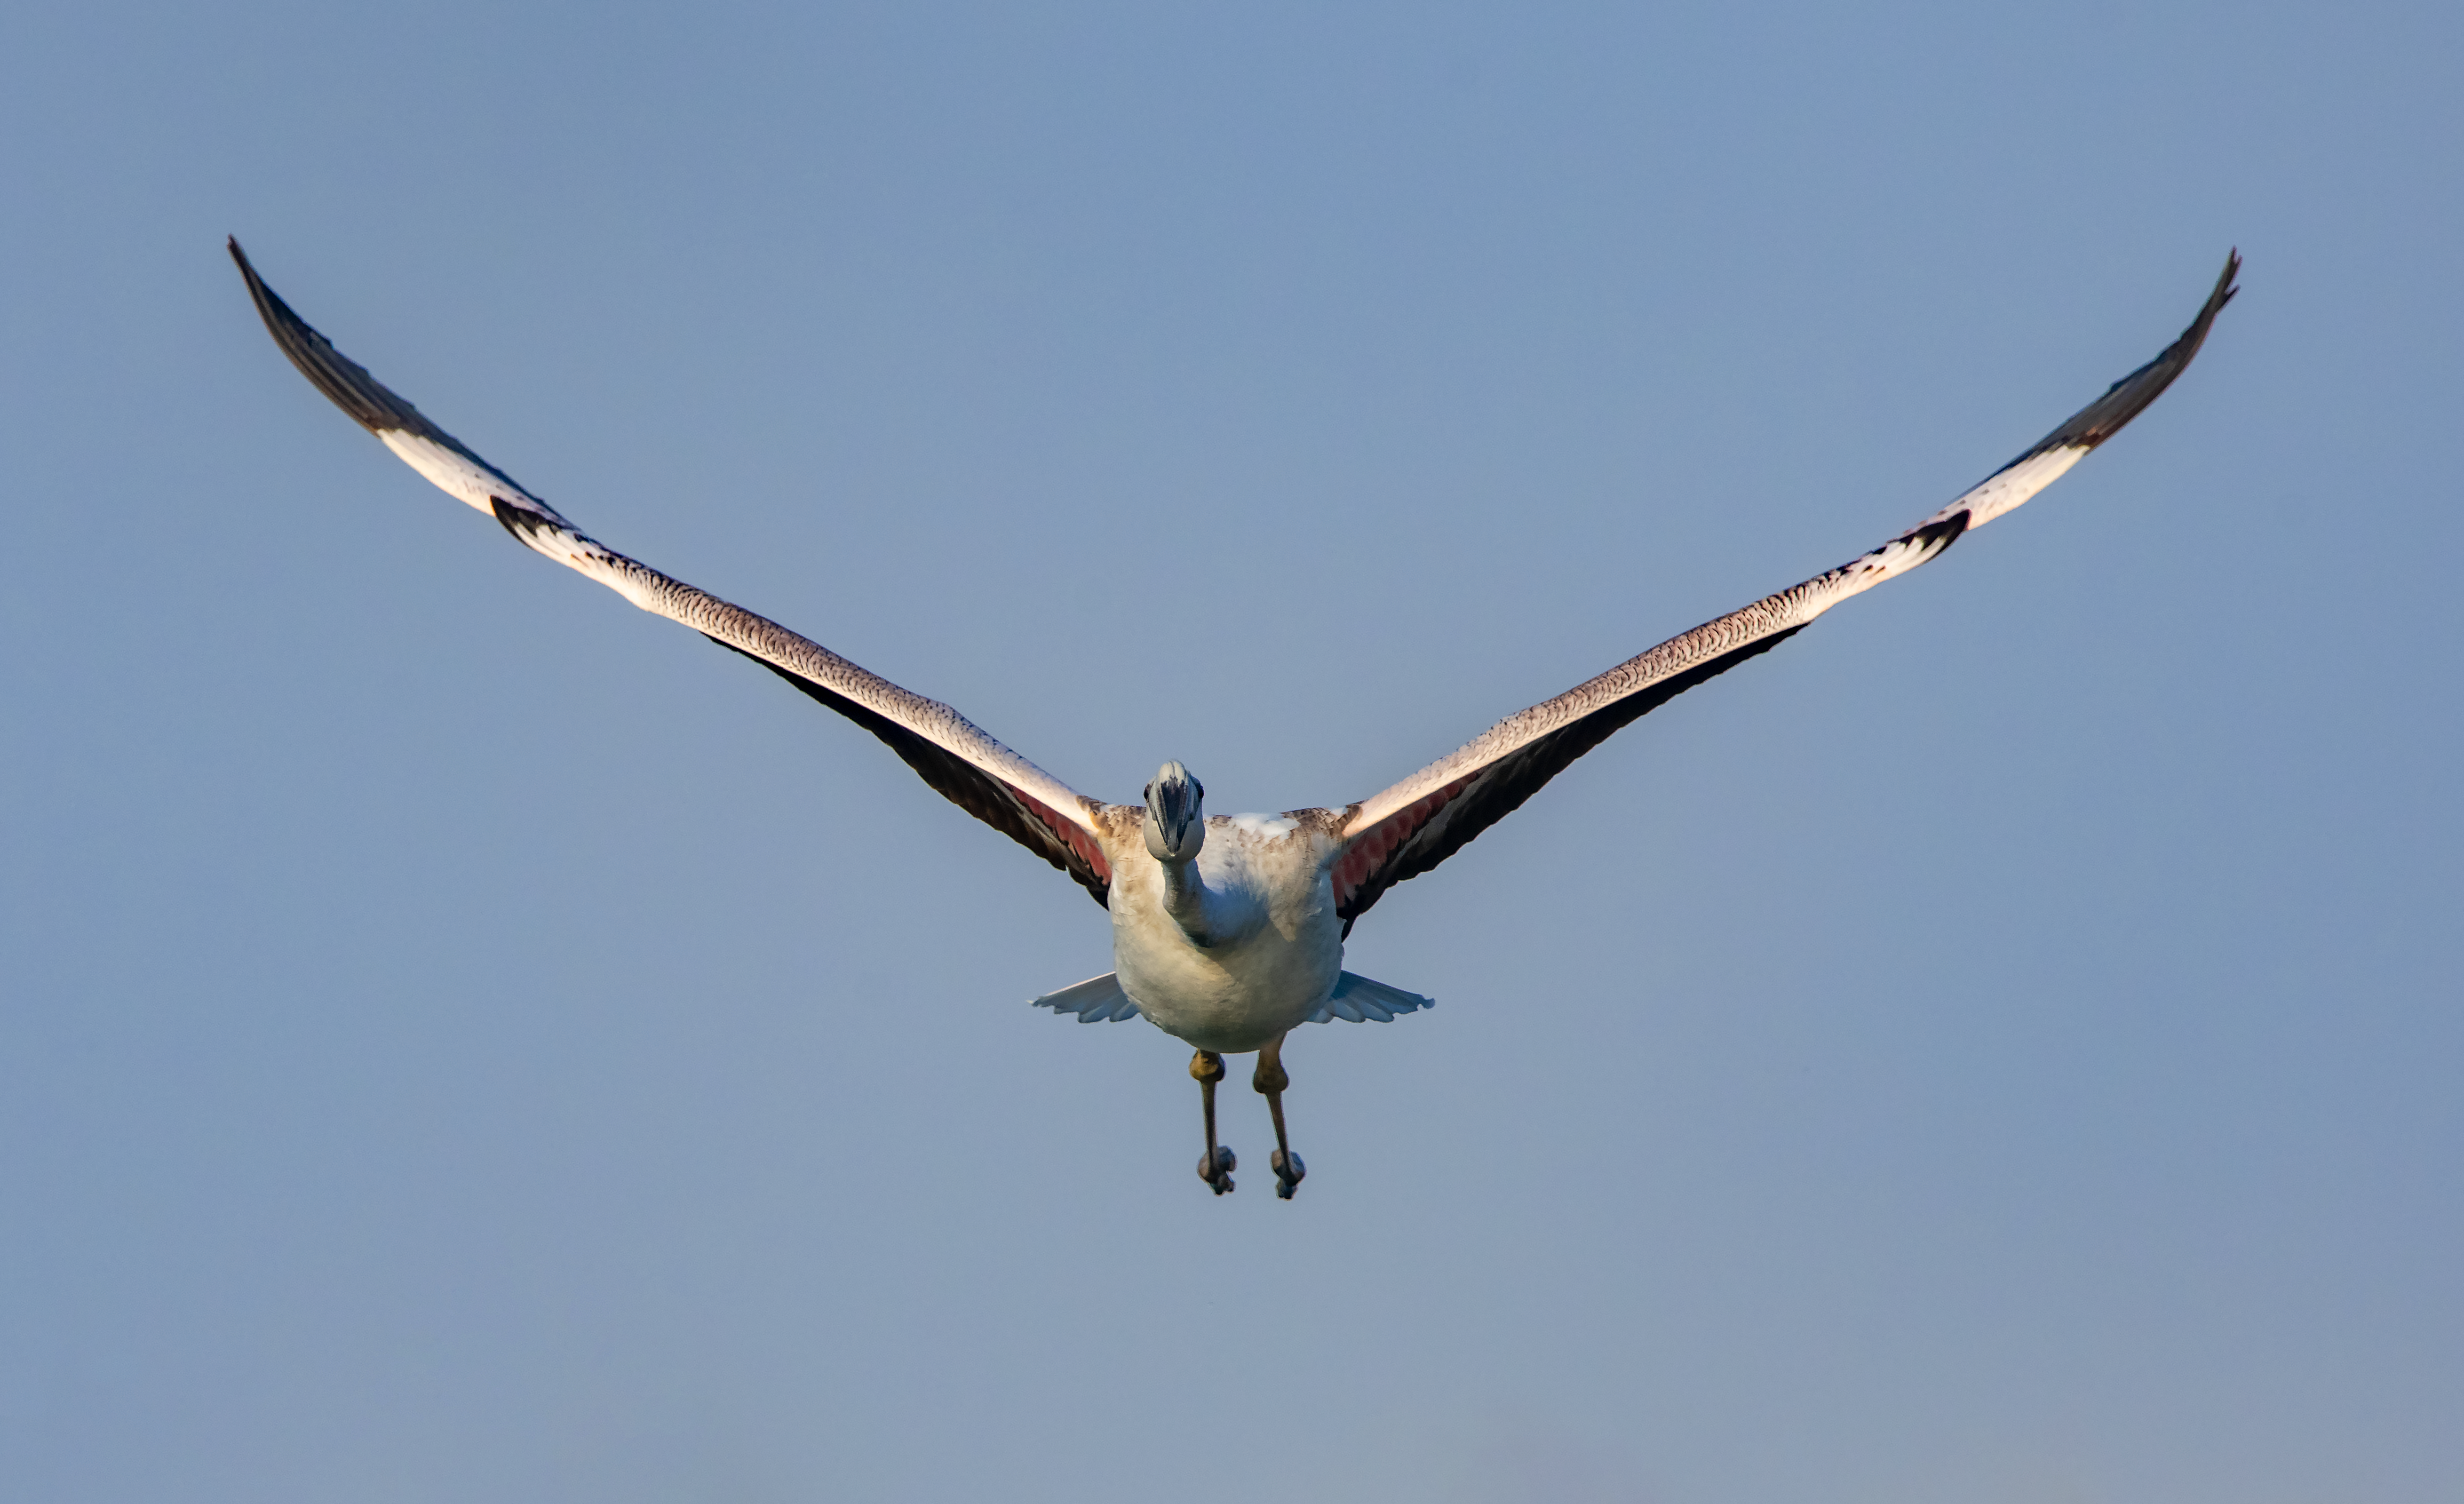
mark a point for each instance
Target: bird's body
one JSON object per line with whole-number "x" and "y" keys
{"x": 1227, "y": 933}
{"x": 1269, "y": 944}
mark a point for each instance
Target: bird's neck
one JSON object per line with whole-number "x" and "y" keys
{"x": 1186, "y": 899}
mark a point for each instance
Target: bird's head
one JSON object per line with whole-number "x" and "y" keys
{"x": 1175, "y": 823}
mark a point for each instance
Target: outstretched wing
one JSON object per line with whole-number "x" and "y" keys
{"x": 971, "y": 770}
{"x": 1435, "y": 813}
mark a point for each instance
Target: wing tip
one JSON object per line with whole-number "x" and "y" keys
{"x": 345, "y": 383}
{"x": 2133, "y": 395}
{"x": 2226, "y": 288}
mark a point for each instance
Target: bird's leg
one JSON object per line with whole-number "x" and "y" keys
{"x": 1216, "y": 1169}
{"x": 1270, "y": 1080}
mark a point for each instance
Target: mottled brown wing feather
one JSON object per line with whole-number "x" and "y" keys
{"x": 1012, "y": 811}
{"x": 1421, "y": 834}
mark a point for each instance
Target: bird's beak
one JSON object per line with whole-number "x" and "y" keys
{"x": 1175, "y": 802}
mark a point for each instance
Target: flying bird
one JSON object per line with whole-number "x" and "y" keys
{"x": 1227, "y": 931}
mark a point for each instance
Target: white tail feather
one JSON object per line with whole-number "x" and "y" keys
{"x": 1097, "y": 1000}
{"x": 1355, "y": 999}
{"x": 1358, "y": 1000}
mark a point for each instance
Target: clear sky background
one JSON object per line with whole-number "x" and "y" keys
{"x": 464, "y": 1038}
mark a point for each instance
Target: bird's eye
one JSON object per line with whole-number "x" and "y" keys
{"x": 1150, "y": 793}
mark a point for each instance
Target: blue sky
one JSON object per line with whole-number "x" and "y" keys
{"x": 461, "y": 1037}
